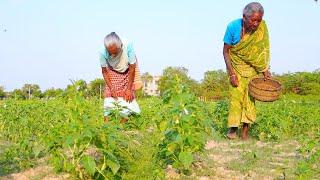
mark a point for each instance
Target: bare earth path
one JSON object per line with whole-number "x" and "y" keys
{"x": 251, "y": 159}
{"x": 222, "y": 159}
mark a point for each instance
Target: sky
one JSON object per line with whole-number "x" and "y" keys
{"x": 50, "y": 43}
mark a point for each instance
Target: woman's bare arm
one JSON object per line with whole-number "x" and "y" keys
{"x": 233, "y": 78}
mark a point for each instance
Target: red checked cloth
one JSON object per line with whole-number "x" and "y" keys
{"x": 119, "y": 82}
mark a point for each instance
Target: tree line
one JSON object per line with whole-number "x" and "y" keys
{"x": 92, "y": 89}
{"x": 215, "y": 83}
{"x": 213, "y": 86}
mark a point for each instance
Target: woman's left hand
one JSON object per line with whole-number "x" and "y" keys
{"x": 266, "y": 74}
{"x": 128, "y": 95}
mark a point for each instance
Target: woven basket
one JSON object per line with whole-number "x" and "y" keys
{"x": 264, "y": 90}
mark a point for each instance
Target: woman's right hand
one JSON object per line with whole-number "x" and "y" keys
{"x": 266, "y": 74}
{"x": 234, "y": 80}
{"x": 114, "y": 94}
{"x": 128, "y": 96}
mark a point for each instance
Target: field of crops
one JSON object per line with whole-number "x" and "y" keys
{"x": 69, "y": 134}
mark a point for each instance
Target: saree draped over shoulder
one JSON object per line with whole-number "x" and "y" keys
{"x": 249, "y": 57}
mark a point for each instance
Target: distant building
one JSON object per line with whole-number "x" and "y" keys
{"x": 150, "y": 87}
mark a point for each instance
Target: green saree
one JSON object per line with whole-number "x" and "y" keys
{"x": 249, "y": 57}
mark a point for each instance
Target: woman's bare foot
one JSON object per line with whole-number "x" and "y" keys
{"x": 245, "y": 131}
{"x": 232, "y": 133}
{"x": 106, "y": 119}
{"x": 123, "y": 120}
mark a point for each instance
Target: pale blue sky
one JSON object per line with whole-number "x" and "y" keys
{"x": 50, "y": 42}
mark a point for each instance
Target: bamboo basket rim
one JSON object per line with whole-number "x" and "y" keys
{"x": 277, "y": 85}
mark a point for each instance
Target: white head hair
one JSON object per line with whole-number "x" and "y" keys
{"x": 111, "y": 39}
{"x": 251, "y": 8}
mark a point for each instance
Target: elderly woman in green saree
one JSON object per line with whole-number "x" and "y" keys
{"x": 246, "y": 53}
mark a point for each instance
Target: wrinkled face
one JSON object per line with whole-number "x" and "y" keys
{"x": 113, "y": 50}
{"x": 252, "y": 23}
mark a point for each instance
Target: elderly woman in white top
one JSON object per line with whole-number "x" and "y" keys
{"x": 118, "y": 63}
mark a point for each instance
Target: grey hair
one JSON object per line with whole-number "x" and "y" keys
{"x": 111, "y": 39}
{"x": 252, "y": 8}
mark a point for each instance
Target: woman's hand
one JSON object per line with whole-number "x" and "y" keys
{"x": 234, "y": 80}
{"x": 128, "y": 96}
{"x": 113, "y": 93}
{"x": 266, "y": 74}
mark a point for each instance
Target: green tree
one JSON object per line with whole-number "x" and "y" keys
{"x": 52, "y": 93}
{"x": 180, "y": 72}
{"x": 310, "y": 88}
{"x": 300, "y": 82}
{"x": 96, "y": 88}
{"x": 17, "y": 94}
{"x": 80, "y": 86}
{"x": 215, "y": 84}
{"x": 31, "y": 91}
{"x": 2, "y": 92}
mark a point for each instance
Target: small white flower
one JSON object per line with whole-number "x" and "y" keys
{"x": 186, "y": 111}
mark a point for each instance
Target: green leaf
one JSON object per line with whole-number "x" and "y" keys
{"x": 113, "y": 165}
{"x": 37, "y": 149}
{"x": 186, "y": 159}
{"x": 171, "y": 147}
{"x": 87, "y": 133}
{"x": 104, "y": 166}
{"x": 163, "y": 125}
{"x": 70, "y": 140}
{"x": 57, "y": 163}
{"x": 112, "y": 162}
{"x": 89, "y": 164}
